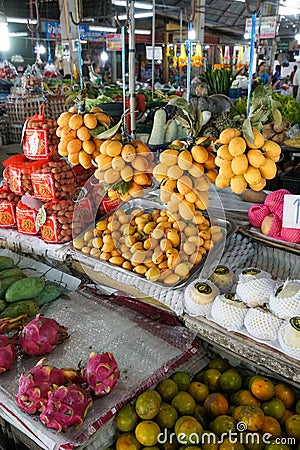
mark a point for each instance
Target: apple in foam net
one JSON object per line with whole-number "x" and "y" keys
{"x": 271, "y": 226}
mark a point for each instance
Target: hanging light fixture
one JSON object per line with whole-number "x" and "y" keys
{"x": 4, "y": 40}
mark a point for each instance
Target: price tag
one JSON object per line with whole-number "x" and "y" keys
{"x": 291, "y": 211}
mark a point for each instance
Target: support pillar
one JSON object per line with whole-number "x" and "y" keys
{"x": 69, "y": 34}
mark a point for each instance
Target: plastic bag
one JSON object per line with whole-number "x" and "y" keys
{"x": 39, "y": 137}
{"x": 58, "y": 224}
{"x": 7, "y": 70}
{"x": 32, "y": 79}
{"x": 8, "y": 202}
{"x": 17, "y": 173}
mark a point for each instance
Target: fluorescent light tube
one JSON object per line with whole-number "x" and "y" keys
{"x": 142, "y": 31}
{"x": 100, "y": 28}
{"x": 19, "y": 20}
{"x": 137, "y": 15}
{"x": 18, "y": 34}
{"x": 139, "y": 5}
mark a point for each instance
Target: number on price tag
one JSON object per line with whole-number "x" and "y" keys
{"x": 291, "y": 211}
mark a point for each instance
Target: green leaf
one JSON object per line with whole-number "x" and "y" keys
{"x": 99, "y": 129}
{"x": 122, "y": 186}
{"x": 247, "y": 130}
{"x": 183, "y": 122}
{"x": 110, "y": 132}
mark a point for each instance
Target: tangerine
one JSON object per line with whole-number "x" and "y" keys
{"x": 209, "y": 441}
{"x": 211, "y": 379}
{"x": 252, "y": 441}
{"x": 146, "y": 432}
{"x": 230, "y": 381}
{"x": 182, "y": 379}
{"x": 147, "y": 404}
{"x": 261, "y": 387}
{"x": 245, "y": 397}
{"x": 272, "y": 426}
{"x": 276, "y": 446}
{"x": 252, "y": 416}
{"x": 198, "y": 390}
{"x": 292, "y": 427}
{"x": 184, "y": 403}
{"x": 167, "y": 389}
{"x": 127, "y": 441}
{"x": 288, "y": 413}
{"x": 223, "y": 424}
{"x": 274, "y": 408}
{"x": 285, "y": 394}
{"x": 188, "y": 430}
{"x": 127, "y": 418}
{"x": 167, "y": 416}
{"x": 220, "y": 364}
{"x": 199, "y": 414}
{"x": 228, "y": 445}
{"x": 298, "y": 407}
{"x": 215, "y": 405}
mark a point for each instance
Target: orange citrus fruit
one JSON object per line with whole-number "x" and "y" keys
{"x": 252, "y": 441}
{"x": 198, "y": 390}
{"x": 215, "y": 405}
{"x": 298, "y": 407}
{"x": 223, "y": 424}
{"x": 292, "y": 427}
{"x": 182, "y": 379}
{"x": 285, "y": 394}
{"x": 275, "y": 446}
{"x": 211, "y": 379}
{"x": 227, "y": 445}
{"x": 252, "y": 416}
{"x": 261, "y": 387}
{"x": 209, "y": 441}
{"x": 147, "y": 404}
{"x": 127, "y": 441}
{"x": 274, "y": 408}
{"x": 188, "y": 430}
{"x": 167, "y": 389}
{"x": 167, "y": 416}
{"x": 220, "y": 364}
{"x": 127, "y": 418}
{"x": 230, "y": 381}
{"x": 245, "y": 397}
{"x": 272, "y": 426}
{"x": 146, "y": 432}
{"x": 184, "y": 403}
{"x": 199, "y": 414}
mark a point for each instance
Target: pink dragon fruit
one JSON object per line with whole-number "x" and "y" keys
{"x": 101, "y": 373}
{"x": 8, "y": 353}
{"x": 66, "y": 406}
{"x": 42, "y": 335}
{"x": 36, "y": 385}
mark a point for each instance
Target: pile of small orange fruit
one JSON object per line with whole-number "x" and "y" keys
{"x": 200, "y": 413}
{"x": 242, "y": 163}
{"x": 76, "y": 140}
{"x": 185, "y": 173}
{"x": 152, "y": 244}
{"x": 130, "y": 162}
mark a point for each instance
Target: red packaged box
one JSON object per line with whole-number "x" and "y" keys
{"x": 26, "y": 219}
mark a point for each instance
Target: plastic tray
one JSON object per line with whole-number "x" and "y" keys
{"x": 149, "y": 205}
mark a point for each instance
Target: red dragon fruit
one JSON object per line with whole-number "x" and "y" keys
{"x": 7, "y": 353}
{"x": 36, "y": 385}
{"x": 101, "y": 373}
{"x": 42, "y": 335}
{"x": 66, "y": 406}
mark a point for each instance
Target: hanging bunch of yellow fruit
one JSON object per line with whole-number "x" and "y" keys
{"x": 243, "y": 163}
{"x": 182, "y": 60}
{"x": 167, "y": 51}
{"x": 197, "y": 59}
{"x": 175, "y": 59}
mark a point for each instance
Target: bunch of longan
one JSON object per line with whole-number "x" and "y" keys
{"x": 76, "y": 140}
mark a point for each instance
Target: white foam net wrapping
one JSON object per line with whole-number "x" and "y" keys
{"x": 196, "y": 309}
{"x": 245, "y": 278}
{"x": 290, "y": 350}
{"x": 287, "y": 307}
{"x": 227, "y": 314}
{"x": 256, "y": 292}
{"x": 261, "y": 324}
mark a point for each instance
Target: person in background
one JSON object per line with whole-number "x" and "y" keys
{"x": 293, "y": 73}
{"x": 276, "y": 77}
{"x": 296, "y": 86}
{"x": 260, "y": 76}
